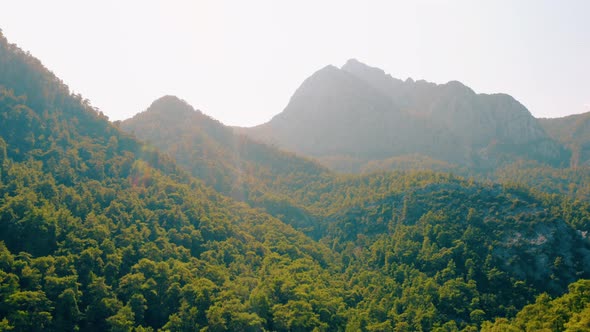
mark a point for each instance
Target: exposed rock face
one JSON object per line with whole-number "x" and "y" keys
{"x": 527, "y": 253}
{"x": 360, "y": 112}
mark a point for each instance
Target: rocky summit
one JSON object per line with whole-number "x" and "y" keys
{"x": 349, "y": 116}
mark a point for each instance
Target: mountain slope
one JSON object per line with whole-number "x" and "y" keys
{"x": 100, "y": 232}
{"x": 574, "y": 132}
{"x": 570, "y": 312}
{"x": 502, "y": 242}
{"x": 173, "y": 125}
{"x": 574, "y": 181}
{"x": 361, "y": 114}
{"x": 232, "y": 164}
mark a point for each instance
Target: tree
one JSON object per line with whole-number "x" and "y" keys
{"x": 67, "y": 313}
{"x": 123, "y": 321}
{"x": 30, "y": 311}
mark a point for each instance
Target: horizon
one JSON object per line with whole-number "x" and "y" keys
{"x": 241, "y": 63}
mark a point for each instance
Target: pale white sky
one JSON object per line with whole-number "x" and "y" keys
{"x": 240, "y": 61}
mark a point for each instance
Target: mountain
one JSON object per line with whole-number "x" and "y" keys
{"x": 232, "y": 164}
{"x": 349, "y": 116}
{"x": 173, "y": 125}
{"x": 574, "y": 181}
{"x": 101, "y": 231}
{"x": 574, "y": 132}
{"x": 437, "y": 226}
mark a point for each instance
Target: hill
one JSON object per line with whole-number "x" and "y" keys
{"x": 574, "y": 132}
{"x": 500, "y": 243}
{"x": 232, "y": 164}
{"x": 349, "y": 116}
{"x": 99, "y": 231}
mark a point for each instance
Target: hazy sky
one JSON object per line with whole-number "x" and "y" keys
{"x": 240, "y": 61}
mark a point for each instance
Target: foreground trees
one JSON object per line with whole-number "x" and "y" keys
{"x": 101, "y": 232}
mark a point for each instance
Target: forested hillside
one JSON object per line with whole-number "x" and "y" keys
{"x": 232, "y": 164}
{"x": 99, "y": 232}
{"x": 102, "y": 232}
{"x": 494, "y": 246}
{"x": 570, "y": 313}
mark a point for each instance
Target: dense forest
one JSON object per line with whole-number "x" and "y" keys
{"x": 212, "y": 231}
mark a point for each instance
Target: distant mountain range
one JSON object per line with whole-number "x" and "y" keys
{"x": 356, "y": 116}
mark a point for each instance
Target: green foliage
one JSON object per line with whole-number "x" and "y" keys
{"x": 569, "y": 312}
{"x": 232, "y": 164}
{"x": 571, "y": 182}
{"x": 101, "y": 232}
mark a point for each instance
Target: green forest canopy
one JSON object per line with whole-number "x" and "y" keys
{"x": 98, "y": 231}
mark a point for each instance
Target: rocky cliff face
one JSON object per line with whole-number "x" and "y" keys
{"x": 360, "y": 112}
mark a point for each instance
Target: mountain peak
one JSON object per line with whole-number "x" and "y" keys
{"x": 168, "y": 109}
{"x": 322, "y": 81}
{"x": 170, "y": 104}
{"x": 354, "y": 66}
{"x": 327, "y": 71}
{"x": 372, "y": 75}
{"x": 458, "y": 87}
{"x": 363, "y": 112}
{"x": 353, "y": 62}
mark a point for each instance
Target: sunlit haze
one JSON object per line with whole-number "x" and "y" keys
{"x": 241, "y": 61}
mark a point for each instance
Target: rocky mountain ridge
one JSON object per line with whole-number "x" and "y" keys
{"x": 358, "y": 113}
